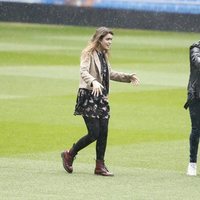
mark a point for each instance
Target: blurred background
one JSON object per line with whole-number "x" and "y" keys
{"x": 172, "y": 6}
{"x": 143, "y": 14}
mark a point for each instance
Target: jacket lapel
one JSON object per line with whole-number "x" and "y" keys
{"x": 97, "y": 61}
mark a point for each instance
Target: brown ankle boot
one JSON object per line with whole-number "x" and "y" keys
{"x": 101, "y": 169}
{"x": 67, "y": 159}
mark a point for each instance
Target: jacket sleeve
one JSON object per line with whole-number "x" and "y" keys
{"x": 195, "y": 57}
{"x": 85, "y": 68}
{"x": 120, "y": 76}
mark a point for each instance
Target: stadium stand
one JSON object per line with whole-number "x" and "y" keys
{"x": 174, "y": 15}
{"x": 169, "y": 6}
{"x": 173, "y": 6}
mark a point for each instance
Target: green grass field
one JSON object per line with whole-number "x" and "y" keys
{"x": 149, "y": 129}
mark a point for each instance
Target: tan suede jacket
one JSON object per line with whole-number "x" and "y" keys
{"x": 90, "y": 70}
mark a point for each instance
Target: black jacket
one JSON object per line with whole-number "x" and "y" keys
{"x": 194, "y": 80}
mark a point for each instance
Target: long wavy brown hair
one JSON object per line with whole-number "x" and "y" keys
{"x": 94, "y": 43}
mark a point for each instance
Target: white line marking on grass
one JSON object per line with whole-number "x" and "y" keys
{"x": 152, "y": 78}
{"x": 63, "y": 38}
{"x": 161, "y": 78}
{"x": 7, "y": 96}
{"x": 29, "y": 47}
{"x": 55, "y": 72}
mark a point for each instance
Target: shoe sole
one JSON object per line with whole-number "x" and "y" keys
{"x": 63, "y": 159}
{"x": 191, "y": 174}
{"x": 101, "y": 174}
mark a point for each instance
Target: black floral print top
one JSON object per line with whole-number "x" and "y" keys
{"x": 92, "y": 106}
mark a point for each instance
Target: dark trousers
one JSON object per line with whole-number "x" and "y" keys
{"x": 195, "y": 129}
{"x": 97, "y": 131}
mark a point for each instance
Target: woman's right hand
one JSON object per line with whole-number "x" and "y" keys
{"x": 97, "y": 88}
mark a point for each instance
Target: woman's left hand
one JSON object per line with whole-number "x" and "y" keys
{"x": 134, "y": 79}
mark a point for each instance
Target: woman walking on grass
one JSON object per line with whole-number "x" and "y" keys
{"x": 92, "y": 99}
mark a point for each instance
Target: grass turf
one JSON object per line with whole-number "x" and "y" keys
{"x": 148, "y": 135}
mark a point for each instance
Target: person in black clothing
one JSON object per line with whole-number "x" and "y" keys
{"x": 92, "y": 99}
{"x": 193, "y": 102}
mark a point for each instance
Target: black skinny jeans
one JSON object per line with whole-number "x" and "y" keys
{"x": 97, "y": 131}
{"x": 195, "y": 130}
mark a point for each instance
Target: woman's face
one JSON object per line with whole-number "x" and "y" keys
{"x": 106, "y": 41}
